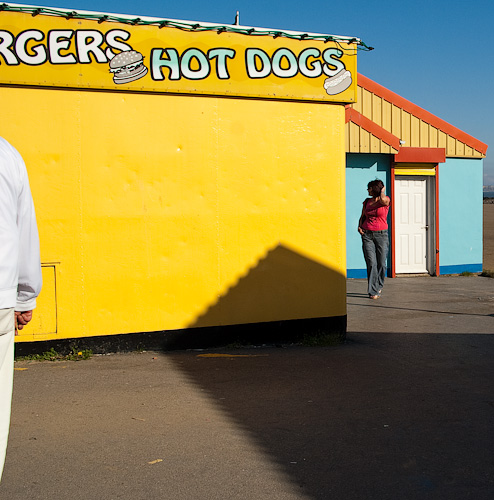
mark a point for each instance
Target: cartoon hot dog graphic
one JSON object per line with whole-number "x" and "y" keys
{"x": 338, "y": 83}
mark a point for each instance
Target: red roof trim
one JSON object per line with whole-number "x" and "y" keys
{"x": 420, "y": 113}
{"x": 371, "y": 127}
{"x": 420, "y": 155}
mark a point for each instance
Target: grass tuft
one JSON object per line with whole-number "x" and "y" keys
{"x": 323, "y": 340}
{"x": 74, "y": 355}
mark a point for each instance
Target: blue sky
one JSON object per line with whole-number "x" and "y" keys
{"x": 435, "y": 53}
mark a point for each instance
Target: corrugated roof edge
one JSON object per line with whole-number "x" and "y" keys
{"x": 421, "y": 113}
{"x": 268, "y": 31}
{"x": 351, "y": 115}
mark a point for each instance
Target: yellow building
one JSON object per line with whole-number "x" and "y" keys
{"x": 195, "y": 181}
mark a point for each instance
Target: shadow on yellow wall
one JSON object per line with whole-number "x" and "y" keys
{"x": 283, "y": 298}
{"x": 283, "y": 285}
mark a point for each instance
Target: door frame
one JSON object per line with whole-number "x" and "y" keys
{"x": 432, "y": 209}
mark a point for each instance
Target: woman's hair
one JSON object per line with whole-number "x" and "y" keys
{"x": 375, "y": 187}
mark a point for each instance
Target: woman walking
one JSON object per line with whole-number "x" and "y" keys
{"x": 373, "y": 227}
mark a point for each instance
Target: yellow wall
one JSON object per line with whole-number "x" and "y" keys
{"x": 164, "y": 212}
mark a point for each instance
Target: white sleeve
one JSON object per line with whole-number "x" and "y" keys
{"x": 29, "y": 284}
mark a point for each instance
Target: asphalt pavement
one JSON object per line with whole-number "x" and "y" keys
{"x": 404, "y": 409}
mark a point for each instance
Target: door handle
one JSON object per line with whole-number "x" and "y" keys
{"x": 425, "y": 227}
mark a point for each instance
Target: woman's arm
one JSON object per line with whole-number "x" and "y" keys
{"x": 361, "y": 220}
{"x": 384, "y": 200}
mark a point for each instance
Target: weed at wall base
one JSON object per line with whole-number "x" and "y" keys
{"x": 52, "y": 355}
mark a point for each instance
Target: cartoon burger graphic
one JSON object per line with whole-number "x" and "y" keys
{"x": 127, "y": 67}
{"x": 338, "y": 83}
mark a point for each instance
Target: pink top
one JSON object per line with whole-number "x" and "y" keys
{"x": 375, "y": 216}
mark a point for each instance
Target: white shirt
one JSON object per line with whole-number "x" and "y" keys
{"x": 20, "y": 267}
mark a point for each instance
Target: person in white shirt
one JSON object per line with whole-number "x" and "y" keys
{"x": 20, "y": 271}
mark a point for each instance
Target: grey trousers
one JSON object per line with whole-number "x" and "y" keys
{"x": 375, "y": 246}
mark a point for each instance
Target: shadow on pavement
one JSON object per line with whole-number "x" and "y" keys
{"x": 396, "y": 308}
{"x": 401, "y": 416}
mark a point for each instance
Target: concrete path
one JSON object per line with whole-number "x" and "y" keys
{"x": 403, "y": 410}
{"x": 446, "y": 304}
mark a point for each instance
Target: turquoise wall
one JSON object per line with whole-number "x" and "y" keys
{"x": 460, "y": 211}
{"x": 361, "y": 169}
{"x": 460, "y": 215}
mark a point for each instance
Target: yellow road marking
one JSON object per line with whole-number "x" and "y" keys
{"x": 212, "y": 355}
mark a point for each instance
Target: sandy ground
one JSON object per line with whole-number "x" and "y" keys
{"x": 489, "y": 236}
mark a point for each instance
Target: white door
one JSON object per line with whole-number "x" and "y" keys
{"x": 410, "y": 225}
